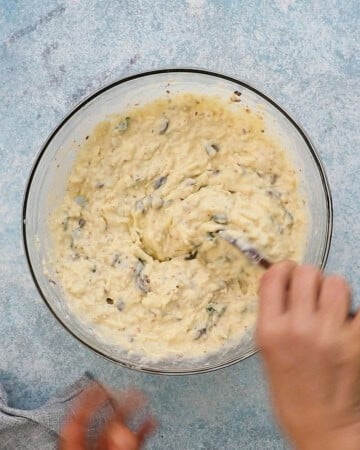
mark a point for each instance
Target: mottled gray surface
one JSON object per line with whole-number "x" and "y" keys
{"x": 53, "y": 53}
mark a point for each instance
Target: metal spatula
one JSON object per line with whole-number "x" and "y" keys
{"x": 245, "y": 247}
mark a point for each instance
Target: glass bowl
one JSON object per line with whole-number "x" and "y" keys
{"x": 48, "y": 178}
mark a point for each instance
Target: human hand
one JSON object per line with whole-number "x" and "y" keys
{"x": 311, "y": 353}
{"x": 116, "y": 435}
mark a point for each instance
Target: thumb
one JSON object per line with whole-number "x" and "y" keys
{"x": 117, "y": 436}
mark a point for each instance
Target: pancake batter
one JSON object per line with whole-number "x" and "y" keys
{"x": 137, "y": 249}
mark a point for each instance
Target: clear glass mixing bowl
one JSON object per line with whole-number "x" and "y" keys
{"x": 48, "y": 178}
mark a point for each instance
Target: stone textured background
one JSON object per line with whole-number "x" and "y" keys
{"x": 53, "y": 53}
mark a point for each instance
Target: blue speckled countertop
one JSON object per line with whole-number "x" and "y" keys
{"x": 53, "y": 53}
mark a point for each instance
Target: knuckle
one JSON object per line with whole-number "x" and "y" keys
{"x": 305, "y": 271}
{"x": 265, "y": 283}
{"x": 268, "y": 337}
{"x": 266, "y": 289}
{"x": 270, "y": 275}
{"x": 288, "y": 263}
{"x": 275, "y": 274}
{"x": 300, "y": 333}
{"x": 281, "y": 267}
{"x": 266, "y": 278}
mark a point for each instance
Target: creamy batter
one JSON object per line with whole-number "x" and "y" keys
{"x": 137, "y": 245}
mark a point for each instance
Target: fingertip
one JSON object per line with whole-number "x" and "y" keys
{"x": 336, "y": 286}
{"x": 119, "y": 436}
{"x": 334, "y": 301}
{"x": 277, "y": 270}
{"x": 306, "y": 270}
{"x": 273, "y": 289}
{"x": 126, "y": 403}
{"x": 304, "y": 291}
{"x": 340, "y": 284}
{"x": 147, "y": 429}
{"x": 73, "y": 433}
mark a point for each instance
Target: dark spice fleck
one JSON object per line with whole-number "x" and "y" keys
{"x": 139, "y": 206}
{"x": 142, "y": 281}
{"x": 200, "y": 333}
{"x": 289, "y": 218}
{"x": 262, "y": 131}
{"x": 220, "y": 218}
{"x": 52, "y": 281}
{"x": 191, "y": 255}
{"x": 82, "y": 222}
{"x": 87, "y": 137}
{"x": 120, "y": 304}
{"x": 65, "y": 223}
{"x": 123, "y": 126}
{"x": 160, "y": 182}
{"x": 235, "y": 97}
{"x": 109, "y": 301}
{"x": 99, "y": 185}
{"x": 115, "y": 260}
{"x": 164, "y": 125}
{"x": 274, "y": 193}
{"x": 273, "y": 178}
{"x": 210, "y": 236}
{"x": 211, "y": 149}
{"x": 167, "y": 91}
{"x": 210, "y": 309}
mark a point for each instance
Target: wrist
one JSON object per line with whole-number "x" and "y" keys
{"x": 333, "y": 440}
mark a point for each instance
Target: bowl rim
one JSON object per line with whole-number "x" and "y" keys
{"x": 107, "y": 87}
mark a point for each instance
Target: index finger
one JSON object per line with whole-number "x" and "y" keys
{"x": 273, "y": 290}
{"x": 73, "y": 436}
{"x": 126, "y": 404}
